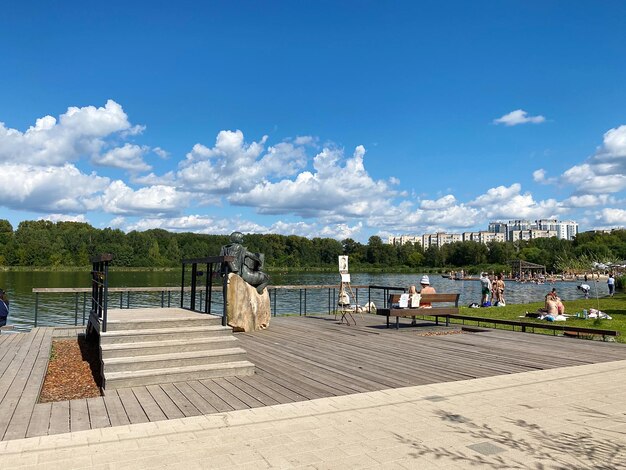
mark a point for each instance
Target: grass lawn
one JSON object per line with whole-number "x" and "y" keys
{"x": 614, "y": 306}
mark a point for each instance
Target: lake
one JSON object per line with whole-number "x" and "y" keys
{"x": 61, "y": 309}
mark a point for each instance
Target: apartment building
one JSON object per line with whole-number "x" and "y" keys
{"x": 499, "y": 231}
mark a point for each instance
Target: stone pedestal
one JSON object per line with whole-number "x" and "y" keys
{"x": 246, "y": 309}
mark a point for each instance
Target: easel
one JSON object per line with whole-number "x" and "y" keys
{"x": 344, "y": 307}
{"x": 345, "y": 291}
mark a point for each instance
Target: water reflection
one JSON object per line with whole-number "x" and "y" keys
{"x": 68, "y": 309}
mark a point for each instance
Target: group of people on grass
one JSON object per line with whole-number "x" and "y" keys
{"x": 492, "y": 290}
{"x": 554, "y": 304}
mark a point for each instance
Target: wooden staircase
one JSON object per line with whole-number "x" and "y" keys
{"x": 163, "y": 345}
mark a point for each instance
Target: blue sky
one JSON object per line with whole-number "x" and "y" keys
{"x": 333, "y": 119}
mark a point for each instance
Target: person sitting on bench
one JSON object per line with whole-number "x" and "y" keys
{"x": 426, "y": 289}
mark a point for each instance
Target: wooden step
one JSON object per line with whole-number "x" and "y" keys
{"x": 145, "y": 348}
{"x": 153, "y": 324}
{"x": 116, "y": 380}
{"x": 165, "y": 334}
{"x": 172, "y": 360}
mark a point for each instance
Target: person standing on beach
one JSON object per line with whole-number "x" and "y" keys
{"x": 485, "y": 289}
{"x": 611, "y": 284}
{"x": 498, "y": 290}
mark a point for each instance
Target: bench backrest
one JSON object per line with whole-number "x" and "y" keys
{"x": 430, "y": 298}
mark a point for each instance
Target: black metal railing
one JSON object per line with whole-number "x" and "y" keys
{"x": 285, "y": 300}
{"x": 100, "y": 287}
{"x": 386, "y": 291}
{"x": 214, "y": 268}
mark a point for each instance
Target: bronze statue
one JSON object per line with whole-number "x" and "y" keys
{"x": 248, "y": 265}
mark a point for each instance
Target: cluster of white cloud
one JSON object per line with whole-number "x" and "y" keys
{"x": 42, "y": 160}
{"x": 597, "y": 181}
{"x": 332, "y": 192}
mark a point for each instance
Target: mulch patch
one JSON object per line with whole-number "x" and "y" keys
{"x": 73, "y": 371}
{"x": 441, "y": 333}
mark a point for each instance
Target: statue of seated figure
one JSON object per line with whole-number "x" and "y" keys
{"x": 246, "y": 264}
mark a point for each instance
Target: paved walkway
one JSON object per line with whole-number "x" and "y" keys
{"x": 564, "y": 418}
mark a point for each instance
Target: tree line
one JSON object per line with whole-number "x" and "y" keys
{"x": 43, "y": 243}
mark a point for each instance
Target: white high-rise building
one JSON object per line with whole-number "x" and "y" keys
{"x": 567, "y": 229}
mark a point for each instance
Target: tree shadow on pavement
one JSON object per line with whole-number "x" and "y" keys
{"x": 533, "y": 446}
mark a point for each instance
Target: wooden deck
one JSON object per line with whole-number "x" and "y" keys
{"x": 297, "y": 358}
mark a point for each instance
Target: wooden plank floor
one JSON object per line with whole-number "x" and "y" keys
{"x": 297, "y": 358}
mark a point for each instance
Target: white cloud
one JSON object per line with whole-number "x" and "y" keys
{"x": 447, "y": 214}
{"x": 65, "y": 218}
{"x": 614, "y": 144}
{"x": 588, "y": 200}
{"x": 49, "y": 189}
{"x": 341, "y": 231}
{"x": 160, "y": 152}
{"x": 338, "y": 186}
{"x": 605, "y": 171}
{"x": 129, "y": 157}
{"x": 120, "y": 199}
{"x": 167, "y": 179}
{"x": 311, "y": 230}
{"x": 117, "y": 222}
{"x": 612, "y": 217}
{"x": 519, "y": 116}
{"x": 231, "y": 165}
{"x": 539, "y": 176}
{"x": 198, "y": 224}
{"x": 441, "y": 203}
{"x": 497, "y": 196}
{"x": 592, "y": 178}
{"x": 508, "y": 203}
{"x": 78, "y": 132}
{"x": 305, "y": 140}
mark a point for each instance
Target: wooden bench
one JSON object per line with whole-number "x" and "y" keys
{"x": 443, "y": 311}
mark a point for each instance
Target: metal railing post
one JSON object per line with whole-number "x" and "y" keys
{"x": 274, "y": 301}
{"x": 209, "y": 300}
{"x": 182, "y": 288}
{"x": 106, "y": 295}
{"x": 329, "y": 300}
{"x": 194, "y": 276}
{"x": 36, "y": 307}
{"x": 76, "y": 310}
{"x": 208, "y": 272}
{"x": 225, "y": 300}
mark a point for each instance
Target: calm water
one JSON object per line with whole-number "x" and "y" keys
{"x": 63, "y": 309}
